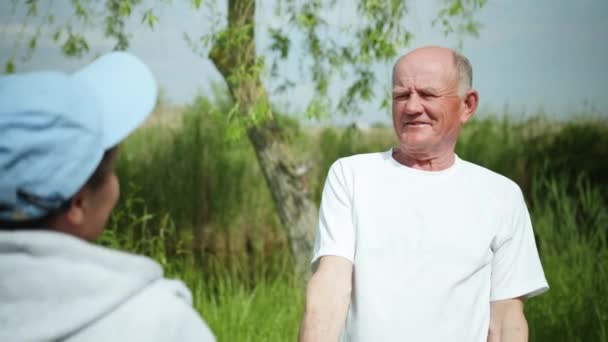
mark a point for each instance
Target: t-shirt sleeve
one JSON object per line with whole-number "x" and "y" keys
{"x": 335, "y": 231}
{"x": 516, "y": 265}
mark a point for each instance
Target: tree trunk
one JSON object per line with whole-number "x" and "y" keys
{"x": 234, "y": 56}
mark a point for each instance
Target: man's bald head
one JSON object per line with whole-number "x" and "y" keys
{"x": 462, "y": 66}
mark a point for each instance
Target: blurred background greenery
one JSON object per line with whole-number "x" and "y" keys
{"x": 195, "y": 200}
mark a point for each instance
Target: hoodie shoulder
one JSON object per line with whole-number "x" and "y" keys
{"x": 162, "y": 312}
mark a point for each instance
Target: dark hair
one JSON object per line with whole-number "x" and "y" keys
{"x": 95, "y": 181}
{"x": 103, "y": 170}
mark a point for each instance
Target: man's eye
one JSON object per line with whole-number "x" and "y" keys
{"x": 428, "y": 95}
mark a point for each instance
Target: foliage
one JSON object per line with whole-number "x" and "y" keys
{"x": 464, "y": 9}
{"x": 328, "y": 48}
{"x": 183, "y": 166}
{"x": 571, "y": 231}
{"x": 585, "y": 143}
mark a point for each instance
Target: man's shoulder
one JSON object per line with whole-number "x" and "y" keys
{"x": 489, "y": 178}
{"x": 361, "y": 160}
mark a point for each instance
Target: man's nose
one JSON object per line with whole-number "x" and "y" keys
{"x": 413, "y": 106}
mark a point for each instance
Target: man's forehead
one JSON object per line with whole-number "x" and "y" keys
{"x": 430, "y": 73}
{"x": 420, "y": 80}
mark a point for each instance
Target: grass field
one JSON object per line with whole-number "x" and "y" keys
{"x": 196, "y": 201}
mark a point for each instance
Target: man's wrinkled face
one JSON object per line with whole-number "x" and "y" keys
{"x": 427, "y": 109}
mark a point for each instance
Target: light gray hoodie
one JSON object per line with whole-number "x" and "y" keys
{"x": 55, "y": 287}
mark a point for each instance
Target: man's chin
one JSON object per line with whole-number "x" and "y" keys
{"x": 415, "y": 139}
{"x": 416, "y": 145}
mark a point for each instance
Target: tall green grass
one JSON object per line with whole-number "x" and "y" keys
{"x": 571, "y": 230}
{"x": 196, "y": 202}
{"x": 210, "y": 186}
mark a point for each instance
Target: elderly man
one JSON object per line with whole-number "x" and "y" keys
{"x": 416, "y": 244}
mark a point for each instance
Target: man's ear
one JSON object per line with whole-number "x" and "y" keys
{"x": 72, "y": 221}
{"x": 76, "y": 213}
{"x": 471, "y": 100}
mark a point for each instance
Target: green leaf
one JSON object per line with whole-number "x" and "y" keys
{"x": 317, "y": 108}
{"x": 472, "y": 28}
{"x": 456, "y": 8}
{"x": 32, "y": 7}
{"x": 75, "y": 45}
{"x": 79, "y": 10}
{"x": 149, "y": 18}
{"x": 280, "y": 42}
{"x": 56, "y": 36}
{"x": 125, "y": 8}
{"x": 32, "y": 43}
{"x": 9, "y": 67}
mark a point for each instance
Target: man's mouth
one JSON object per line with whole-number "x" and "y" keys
{"x": 416, "y": 123}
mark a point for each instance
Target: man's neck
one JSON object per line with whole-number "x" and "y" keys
{"x": 437, "y": 162}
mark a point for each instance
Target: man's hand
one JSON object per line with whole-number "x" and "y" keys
{"x": 507, "y": 321}
{"x": 327, "y": 300}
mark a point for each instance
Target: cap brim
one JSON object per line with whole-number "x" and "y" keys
{"x": 126, "y": 90}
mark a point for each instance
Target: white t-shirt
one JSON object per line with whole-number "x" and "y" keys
{"x": 430, "y": 250}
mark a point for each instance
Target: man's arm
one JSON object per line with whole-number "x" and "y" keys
{"x": 327, "y": 300}
{"x": 507, "y": 321}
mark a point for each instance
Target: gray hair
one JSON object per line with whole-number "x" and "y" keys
{"x": 465, "y": 72}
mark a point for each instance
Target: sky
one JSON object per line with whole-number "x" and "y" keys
{"x": 548, "y": 56}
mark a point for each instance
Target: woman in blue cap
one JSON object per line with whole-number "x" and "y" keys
{"x": 58, "y": 138}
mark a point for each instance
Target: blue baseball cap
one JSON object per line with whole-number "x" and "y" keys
{"x": 55, "y": 128}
